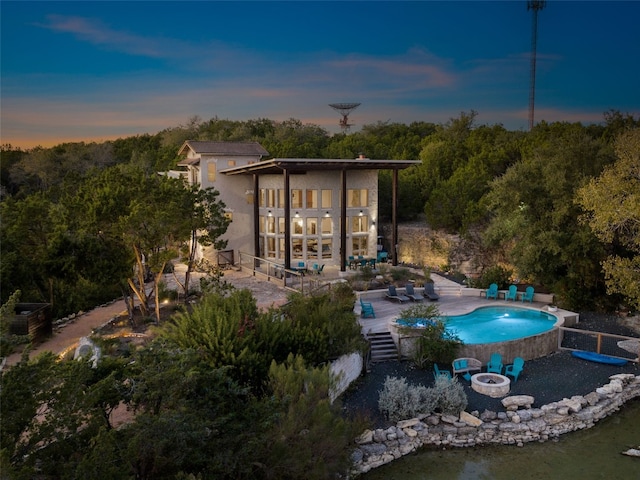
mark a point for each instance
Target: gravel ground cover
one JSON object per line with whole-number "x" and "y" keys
{"x": 547, "y": 379}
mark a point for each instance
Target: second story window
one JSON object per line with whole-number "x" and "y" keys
{"x": 296, "y": 198}
{"x": 312, "y": 199}
{"x": 357, "y": 197}
{"x": 211, "y": 172}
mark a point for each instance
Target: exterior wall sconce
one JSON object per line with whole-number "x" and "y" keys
{"x": 269, "y": 213}
{"x": 327, "y": 214}
{"x": 297, "y": 215}
{"x": 360, "y": 213}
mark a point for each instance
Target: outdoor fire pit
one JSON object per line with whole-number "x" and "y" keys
{"x": 491, "y": 384}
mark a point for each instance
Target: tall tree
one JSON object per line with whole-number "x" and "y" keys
{"x": 612, "y": 205}
{"x": 534, "y": 213}
{"x": 151, "y": 216}
{"x": 204, "y": 211}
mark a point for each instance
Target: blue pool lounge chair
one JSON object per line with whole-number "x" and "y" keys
{"x": 392, "y": 294}
{"x": 440, "y": 373}
{"x": 492, "y": 291}
{"x": 429, "y": 292}
{"x": 495, "y": 363}
{"x": 411, "y": 293}
{"x": 512, "y": 293}
{"x": 528, "y": 295}
{"x": 515, "y": 369}
{"x": 366, "y": 310}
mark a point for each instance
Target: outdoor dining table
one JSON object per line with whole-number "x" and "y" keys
{"x": 362, "y": 262}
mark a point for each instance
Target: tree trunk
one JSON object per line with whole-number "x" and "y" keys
{"x": 128, "y": 301}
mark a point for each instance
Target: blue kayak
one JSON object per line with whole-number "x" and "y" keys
{"x": 598, "y": 357}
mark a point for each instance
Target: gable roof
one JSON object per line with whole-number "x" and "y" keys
{"x": 224, "y": 148}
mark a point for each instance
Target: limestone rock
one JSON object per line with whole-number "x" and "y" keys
{"x": 515, "y": 401}
{"x": 366, "y": 437}
{"x": 407, "y": 423}
{"x": 470, "y": 419}
{"x": 449, "y": 419}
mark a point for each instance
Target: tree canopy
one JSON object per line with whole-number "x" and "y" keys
{"x": 515, "y": 189}
{"x": 611, "y": 203}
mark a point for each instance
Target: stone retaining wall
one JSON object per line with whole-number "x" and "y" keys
{"x": 344, "y": 371}
{"x": 518, "y": 425}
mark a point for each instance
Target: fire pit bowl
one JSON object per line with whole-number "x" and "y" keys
{"x": 492, "y": 384}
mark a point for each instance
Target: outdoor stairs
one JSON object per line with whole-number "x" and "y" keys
{"x": 383, "y": 348}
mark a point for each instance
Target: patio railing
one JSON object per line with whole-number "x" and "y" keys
{"x": 275, "y": 272}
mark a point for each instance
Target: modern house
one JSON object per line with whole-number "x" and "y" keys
{"x": 289, "y": 210}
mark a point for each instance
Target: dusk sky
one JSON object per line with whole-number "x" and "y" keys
{"x": 93, "y": 71}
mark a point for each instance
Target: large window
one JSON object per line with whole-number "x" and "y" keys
{"x": 296, "y": 245}
{"x": 326, "y": 247}
{"x": 327, "y": 226}
{"x": 312, "y": 248}
{"x": 359, "y": 224}
{"x": 211, "y": 171}
{"x": 271, "y": 247}
{"x": 357, "y": 198}
{"x": 297, "y": 226}
{"x": 296, "y": 198}
{"x": 359, "y": 246}
{"x": 326, "y": 198}
{"x": 271, "y": 198}
{"x": 312, "y": 199}
{"x": 271, "y": 225}
{"x": 312, "y": 226}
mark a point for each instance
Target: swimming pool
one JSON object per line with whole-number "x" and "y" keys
{"x": 493, "y": 324}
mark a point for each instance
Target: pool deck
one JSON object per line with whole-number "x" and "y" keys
{"x": 454, "y": 300}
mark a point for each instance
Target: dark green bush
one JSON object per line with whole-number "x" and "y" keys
{"x": 496, "y": 274}
{"x": 433, "y": 343}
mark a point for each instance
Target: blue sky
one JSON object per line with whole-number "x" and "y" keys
{"x": 92, "y": 71}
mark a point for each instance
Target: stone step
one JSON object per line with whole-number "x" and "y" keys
{"x": 383, "y": 348}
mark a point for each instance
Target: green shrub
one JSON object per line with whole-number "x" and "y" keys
{"x": 496, "y": 274}
{"x": 400, "y": 274}
{"x": 448, "y": 396}
{"x": 433, "y": 343}
{"x": 400, "y": 401}
{"x": 343, "y": 296}
{"x": 165, "y": 293}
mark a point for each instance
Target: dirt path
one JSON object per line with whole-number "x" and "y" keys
{"x": 265, "y": 293}
{"x": 71, "y": 333}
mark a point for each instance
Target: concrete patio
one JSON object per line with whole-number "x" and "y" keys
{"x": 454, "y": 300}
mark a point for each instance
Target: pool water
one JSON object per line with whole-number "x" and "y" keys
{"x": 494, "y": 324}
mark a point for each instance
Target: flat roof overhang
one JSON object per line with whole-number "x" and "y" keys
{"x": 302, "y": 165}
